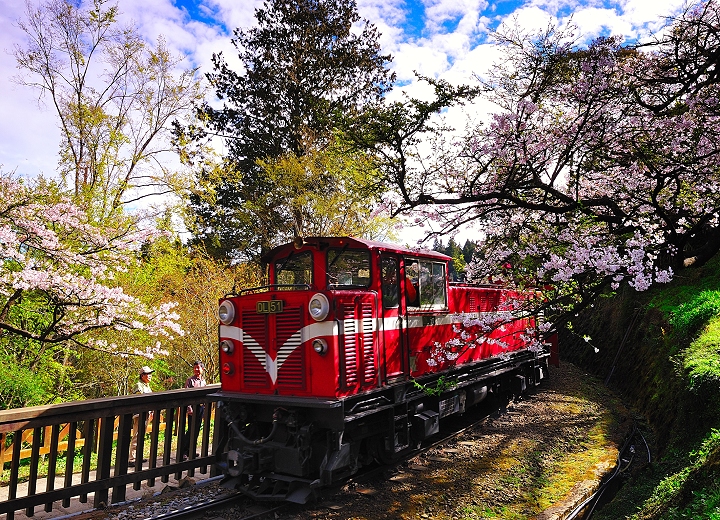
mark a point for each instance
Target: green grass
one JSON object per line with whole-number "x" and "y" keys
{"x": 694, "y": 491}
{"x": 705, "y": 504}
{"x": 687, "y": 286}
{"x": 701, "y": 360}
{"x": 689, "y": 318}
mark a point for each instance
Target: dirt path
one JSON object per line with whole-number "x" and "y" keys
{"x": 536, "y": 459}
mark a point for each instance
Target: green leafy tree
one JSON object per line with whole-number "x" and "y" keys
{"x": 458, "y": 264}
{"x": 322, "y": 193}
{"x": 32, "y": 378}
{"x": 114, "y": 95}
{"x": 306, "y": 72}
{"x": 468, "y": 251}
{"x": 169, "y": 270}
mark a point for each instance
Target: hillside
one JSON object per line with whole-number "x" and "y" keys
{"x": 660, "y": 350}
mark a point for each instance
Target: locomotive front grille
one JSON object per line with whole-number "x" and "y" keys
{"x": 255, "y": 329}
{"x": 291, "y": 357}
{"x": 273, "y": 350}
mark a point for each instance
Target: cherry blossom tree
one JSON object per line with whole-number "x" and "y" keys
{"x": 57, "y": 275}
{"x": 598, "y": 167}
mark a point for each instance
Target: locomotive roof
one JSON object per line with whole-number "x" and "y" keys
{"x": 325, "y": 242}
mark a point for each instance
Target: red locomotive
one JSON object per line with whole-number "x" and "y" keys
{"x": 327, "y": 368}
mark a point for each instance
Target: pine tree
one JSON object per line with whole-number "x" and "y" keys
{"x": 306, "y": 72}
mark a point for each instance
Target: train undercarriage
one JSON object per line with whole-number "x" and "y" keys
{"x": 287, "y": 448}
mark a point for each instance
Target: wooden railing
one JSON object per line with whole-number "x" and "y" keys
{"x": 94, "y": 437}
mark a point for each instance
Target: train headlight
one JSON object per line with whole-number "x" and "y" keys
{"x": 319, "y": 307}
{"x": 227, "y": 346}
{"x": 320, "y": 346}
{"x": 226, "y": 312}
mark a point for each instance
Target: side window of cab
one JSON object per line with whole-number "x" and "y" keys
{"x": 390, "y": 282}
{"x": 412, "y": 282}
{"x": 425, "y": 286}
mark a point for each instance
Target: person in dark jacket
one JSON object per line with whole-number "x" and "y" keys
{"x": 195, "y": 381}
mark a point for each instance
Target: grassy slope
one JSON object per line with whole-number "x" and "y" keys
{"x": 666, "y": 364}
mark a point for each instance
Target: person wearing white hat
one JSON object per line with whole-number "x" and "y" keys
{"x": 141, "y": 387}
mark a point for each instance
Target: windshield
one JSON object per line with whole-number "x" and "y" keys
{"x": 294, "y": 269}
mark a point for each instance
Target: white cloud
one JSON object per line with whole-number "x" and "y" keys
{"x": 531, "y": 18}
{"x": 465, "y": 13}
{"x": 232, "y": 13}
{"x": 388, "y": 17}
{"x": 29, "y": 136}
{"x": 475, "y": 62}
{"x": 642, "y": 13}
{"x": 425, "y": 60}
{"x": 593, "y": 22}
{"x": 386, "y": 12}
{"x": 449, "y": 45}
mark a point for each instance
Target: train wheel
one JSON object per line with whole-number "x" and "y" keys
{"x": 519, "y": 385}
{"x": 376, "y": 448}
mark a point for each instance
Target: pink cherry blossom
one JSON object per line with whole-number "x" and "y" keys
{"x": 57, "y": 258}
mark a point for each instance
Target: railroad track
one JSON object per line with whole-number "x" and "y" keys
{"x": 198, "y": 509}
{"x": 453, "y": 428}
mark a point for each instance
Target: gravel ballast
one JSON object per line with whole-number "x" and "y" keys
{"x": 537, "y": 458}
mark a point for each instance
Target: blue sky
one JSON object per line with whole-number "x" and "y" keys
{"x": 438, "y": 38}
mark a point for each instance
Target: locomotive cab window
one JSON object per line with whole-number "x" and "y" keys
{"x": 425, "y": 284}
{"x": 348, "y": 268}
{"x": 390, "y": 284}
{"x": 295, "y": 269}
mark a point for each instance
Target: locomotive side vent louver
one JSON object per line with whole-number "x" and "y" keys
{"x": 484, "y": 302}
{"x": 350, "y": 360}
{"x": 369, "y": 367}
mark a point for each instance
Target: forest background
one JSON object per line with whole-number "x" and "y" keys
{"x": 596, "y": 169}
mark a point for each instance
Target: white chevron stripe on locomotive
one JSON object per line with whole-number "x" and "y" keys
{"x": 325, "y": 328}
{"x": 270, "y": 364}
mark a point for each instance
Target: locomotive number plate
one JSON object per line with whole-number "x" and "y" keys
{"x": 269, "y": 307}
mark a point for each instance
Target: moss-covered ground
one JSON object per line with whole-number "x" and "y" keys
{"x": 521, "y": 460}
{"x": 661, "y": 351}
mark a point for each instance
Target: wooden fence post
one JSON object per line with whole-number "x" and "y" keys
{"x": 88, "y": 450}
{"x": 37, "y": 440}
{"x": 2, "y": 453}
{"x": 52, "y": 462}
{"x": 69, "y": 460}
{"x": 105, "y": 439}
